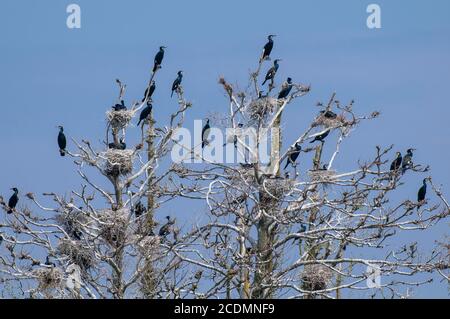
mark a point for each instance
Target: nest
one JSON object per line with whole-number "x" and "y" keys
{"x": 329, "y": 122}
{"x": 246, "y": 174}
{"x": 113, "y": 226}
{"x": 118, "y": 162}
{"x": 259, "y": 108}
{"x": 119, "y": 119}
{"x": 81, "y": 256}
{"x": 70, "y": 222}
{"x": 148, "y": 245}
{"x": 315, "y": 277}
{"x": 323, "y": 176}
{"x": 49, "y": 278}
{"x": 277, "y": 188}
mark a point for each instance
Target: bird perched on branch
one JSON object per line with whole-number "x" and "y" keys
{"x": 293, "y": 154}
{"x": 158, "y": 58}
{"x": 267, "y": 48}
{"x": 145, "y": 112}
{"x": 149, "y": 91}
{"x": 139, "y": 209}
{"x": 13, "y": 200}
{"x": 321, "y": 137}
{"x": 177, "y": 82}
{"x": 421, "y": 193}
{"x": 234, "y": 137}
{"x": 397, "y": 162}
{"x": 167, "y": 227}
{"x": 120, "y": 107}
{"x": 62, "y": 143}
{"x": 270, "y": 75}
{"x": 205, "y": 133}
{"x": 286, "y": 88}
{"x": 407, "y": 160}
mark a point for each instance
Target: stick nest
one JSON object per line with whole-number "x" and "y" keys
{"x": 113, "y": 226}
{"x": 71, "y": 221}
{"x": 329, "y": 122}
{"x": 315, "y": 277}
{"x": 49, "y": 278}
{"x": 119, "y": 119}
{"x": 277, "y": 188}
{"x": 323, "y": 176}
{"x": 118, "y": 162}
{"x": 82, "y": 256}
{"x": 261, "y": 107}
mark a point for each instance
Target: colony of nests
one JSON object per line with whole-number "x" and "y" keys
{"x": 119, "y": 119}
{"x": 322, "y": 175}
{"x": 315, "y": 277}
{"x": 261, "y": 107}
{"x": 78, "y": 254}
{"x": 118, "y": 162}
{"x": 49, "y": 278}
{"x": 113, "y": 226}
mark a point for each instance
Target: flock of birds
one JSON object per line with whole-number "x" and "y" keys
{"x": 400, "y": 164}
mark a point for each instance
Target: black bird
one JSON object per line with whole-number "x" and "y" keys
{"x": 120, "y": 146}
{"x": 272, "y": 71}
{"x": 285, "y": 89}
{"x": 13, "y": 200}
{"x": 407, "y": 160}
{"x": 397, "y": 162}
{"x": 48, "y": 262}
{"x": 177, "y": 82}
{"x": 235, "y": 136}
{"x": 324, "y": 167}
{"x": 1, "y": 239}
{"x": 120, "y": 107}
{"x": 422, "y": 192}
{"x": 328, "y": 114}
{"x": 205, "y": 133}
{"x": 139, "y": 209}
{"x": 149, "y": 91}
{"x": 167, "y": 227}
{"x": 158, "y": 58}
{"x": 292, "y": 157}
{"x": 267, "y": 48}
{"x": 62, "y": 143}
{"x": 145, "y": 112}
{"x": 321, "y": 137}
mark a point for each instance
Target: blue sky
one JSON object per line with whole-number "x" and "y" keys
{"x": 53, "y": 75}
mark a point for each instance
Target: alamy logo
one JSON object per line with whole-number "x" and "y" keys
{"x": 74, "y": 19}
{"x": 374, "y": 18}
{"x": 241, "y": 144}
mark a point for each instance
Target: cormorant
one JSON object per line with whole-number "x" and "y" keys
{"x": 120, "y": 107}
{"x": 48, "y": 262}
{"x": 62, "y": 143}
{"x": 149, "y": 90}
{"x": 324, "y": 167}
{"x": 292, "y": 157}
{"x": 407, "y": 160}
{"x": 177, "y": 82}
{"x": 145, "y": 112}
{"x": 139, "y": 209}
{"x": 158, "y": 58}
{"x": 13, "y": 200}
{"x": 395, "y": 165}
{"x": 422, "y": 192}
{"x": 328, "y": 114}
{"x": 235, "y": 136}
{"x": 285, "y": 89}
{"x": 166, "y": 228}
{"x": 205, "y": 133}
{"x": 120, "y": 146}
{"x": 272, "y": 71}
{"x": 321, "y": 137}
{"x": 267, "y": 48}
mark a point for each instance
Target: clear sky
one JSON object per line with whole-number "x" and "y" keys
{"x": 52, "y": 75}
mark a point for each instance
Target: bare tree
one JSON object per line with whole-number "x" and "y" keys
{"x": 266, "y": 233}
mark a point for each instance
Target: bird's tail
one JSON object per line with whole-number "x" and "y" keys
{"x": 312, "y": 141}
{"x": 10, "y": 211}
{"x": 155, "y": 67}
{"x": 265, "y": 80}
{"x": 171, "y": 94}
{"x": 62, "y": 152}
{"x": 139, "y": 122}
{"x": 287, "y": 164}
